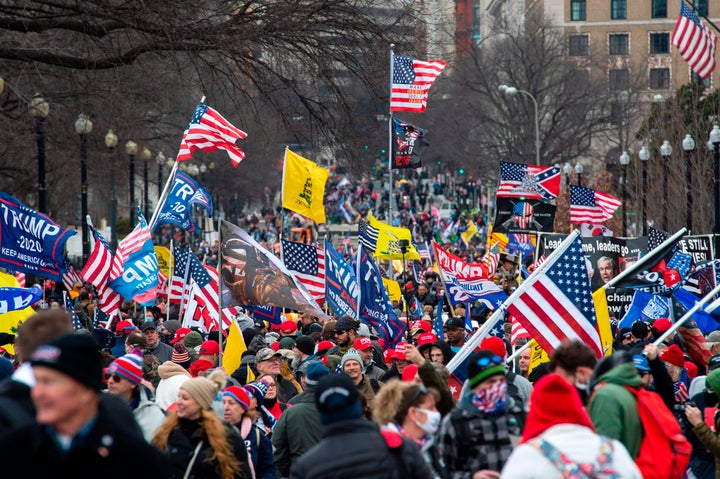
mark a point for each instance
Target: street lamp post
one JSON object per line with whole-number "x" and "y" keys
{"x": 111, "y": 141}
{"x": 715, "y": 140}
{"x": 688, "y": 145}
{"x": 665, "y": 152}
{"x": 624, "y": 161}
{"x": 160, "y": 159}
{"x": 83, "y": 127}
{"x": 39, "y": 109}
{"x": 131, "y": 149}
{"x": 579, "y": 171}
{"x": 511, "y": 90}
{"x": 146, "y": 156}
{"x": 566, "y": 170}
{"x": 644, "y": 155}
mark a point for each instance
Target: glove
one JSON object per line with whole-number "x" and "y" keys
{"x": 6, "y": 338}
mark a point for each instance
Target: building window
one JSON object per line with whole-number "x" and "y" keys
{"x": 619, "y": 79}
{"x": 578, "y": 45}
{"x": 577, "y": 10}
{"x": 618, "y": 9}
{"x": 659, "y": 78}
{"x": 659, "y": 9}
{"x": 696, "y": 80}
{"x": 702, "y": 7}
{"x": 659, "y": 43}
{"x": 619, "y": 44}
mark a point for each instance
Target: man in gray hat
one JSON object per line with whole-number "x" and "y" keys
{"x": 267, "y": 361}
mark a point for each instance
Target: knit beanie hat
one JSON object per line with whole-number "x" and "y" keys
{"x": 494, "y": 344}
{"x": 287, "y": 343}
{"x": 554, "y": 401}
{"x": 128, "y": 367}
{"x": 305, "y": 345}
{"x": 713, "y": 380}
{"x": 673, "y": 355}
{"x": 483, "y": 364}
{"x": 172, "y": 325}
{"x": 409, "y": 372}
{"x": 180, "y": 353}
{"x": 238, "y": 394}
{"x": 169, "y": 369}
{"x": 193, "y": 339}
{"x": 258, "y": 389}
{"x": 337, "y": 399}
{"x": 315, "y": 371}
{"x": 75, "y": 355}
{"x": 204, "y": 390}
{"x": 351, "y": 355}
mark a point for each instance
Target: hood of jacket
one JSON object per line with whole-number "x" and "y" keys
{"x": 169, "y": 369}
{"x": 623, "y": 374}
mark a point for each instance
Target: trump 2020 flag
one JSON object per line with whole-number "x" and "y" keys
{"x": 177, "y": 208}
{"x": 31, "y": 242}
{"x": 555, "y": 304}
{"x": 341, "y": 287}
{"x": 134, "y": 272}
{"x": 304, "y": 187}
{"x": 375, "y": 307}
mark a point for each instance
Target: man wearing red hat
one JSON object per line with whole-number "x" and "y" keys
{"x": 209, "y": 352}
{"x": 365, "y": 347}
{"x": 288, "y": 328}
{"x": 518, "y": 387}
{"x": 674, "y": 359}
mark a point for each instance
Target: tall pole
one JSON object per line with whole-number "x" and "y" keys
{"x": 39, "y": 109}
{"x": 665, "y": 152}
{"x": 131, "y": 150}
{"x": 688, "y": 145}
{"x": 624, "y": 161}
{"x": 391, "y": 124}
{"x": 83, "y": 127}
{"x": 644, "y": 155}
{"x": 111, "y": 142}
{"x": 715, "y": 140}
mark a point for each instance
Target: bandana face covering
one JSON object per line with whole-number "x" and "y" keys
{"x": 492, "y": 399}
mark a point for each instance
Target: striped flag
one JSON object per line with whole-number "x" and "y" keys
{"x": 132, "y": 243}
{"x": 307, "y": 263}
{"x": 97, "y": 273}
{"x": 70, "y": 309}
{"x": 492, "y": 259}
{"x": 695, "y": 42}
{"x": 368, "y": 235}
{"x": 411, "y": 81}
{"x": 517, "y": 331}
{"x": 180, "y": 274}
{"x": 21, "y": 278}
{"x": 70, "y": 277}
{"x": 590, "y": 206}
{"x": 203, "y": 307}
{"x": 209, "y": 131}
{"x": 529, "y": 181}
{"x": 556, "y": 304}
{"x": 424, "y": 251}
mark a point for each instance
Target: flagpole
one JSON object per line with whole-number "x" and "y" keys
{"x": 687, "y": 315}
{"x": 636, "y": 267}
{"x": 390, "y": 150}
{"x": 220, "y": 299}
{"x": 480, "y": 334}
{"x": 171, "y": 270}
{"x": 357, "y": 277}
{"x": 517, "y": 352}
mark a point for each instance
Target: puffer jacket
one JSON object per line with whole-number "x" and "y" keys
{"x": 148, "y": 415}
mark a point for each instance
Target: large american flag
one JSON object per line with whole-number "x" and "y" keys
{"x": 411, "y": 80}
{"x": 203, "y": 303}
{"x": 97, "y": 273}
{"x": 695, "y": 42}
{"x": 556, "y": 304}
{"x": 307, "y": 263}
{"x": 132, "y": 243}
{"x": 590, "y": 206}
{"x": 209, "y": 131}
{"x": 180, "y": 275}
{"x": 70, "y": 277}
{"x": 529, "y": 181}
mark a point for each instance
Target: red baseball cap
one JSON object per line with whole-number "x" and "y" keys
{"x": 275, "y": 327}
{"x": 422, "y": 324}
{"x": 209, "y": 347}
{"x": 180, "y": 335}
{"x": 324, "y": 346}
{"x": 361, "y": 344}
{"x": 400, "y": 352}
{"x": 388, "y": 355}
{"x": 494, "y": 344}
{"x": 124, "y": 326}
{"x": 288, "y": 327}
{"x": 662, "y": 324}
{"x": 275, "y": 346}
{"x": 425, "y": 339}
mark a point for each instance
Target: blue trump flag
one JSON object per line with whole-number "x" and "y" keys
{"x": 134, "y": 272}
{"x": 271, "y": 314}
{"x": 645, "y": 307}
{"x": 30, "y": 242}
{"x": 341, "y": 285}
{"x": 177, "y": 207}
{"x": 12, "y": 299}
{"x": 375, "y": 307}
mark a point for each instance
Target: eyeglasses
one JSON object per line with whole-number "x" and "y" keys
{"x": 482, "y": 362}
{"x": 271, "y": 386}
{"x": 113, "y": 377}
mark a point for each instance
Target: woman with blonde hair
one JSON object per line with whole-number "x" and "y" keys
{"x": 410, "y": 409}
{"x": 194, "y": 438}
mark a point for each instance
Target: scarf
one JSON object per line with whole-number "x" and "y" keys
{"x": 491, "y": 399}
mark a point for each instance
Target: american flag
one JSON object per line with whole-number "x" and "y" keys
{"x": 522, "y": 214}
{"x": 697, "y": 347}
{"x": 492, "y": 259}
{"x": 367, "y": 236}
{"x": 517, "y": 331}
{"x": 132, "y": 243}
{"x": 307, "y": 263}
{"x": 695, "y": 42}
{"x": 203, "y": 302}
{"x": 423, "y": 250}
{"x": 180, "y": 274}
{"x": 70, "y": 309}
{"x": 20, "y": 279}
{"x": 209, "y": 131}
{"x": 590, "y": 206}
{"x": 97, "y": 273}
{"x": 70, "y": 277}
{"x": 556, "y": 304}
{"x": 162, "y": 283}
{"x": 529, "y": 181}
{"x": 411, "y": 80}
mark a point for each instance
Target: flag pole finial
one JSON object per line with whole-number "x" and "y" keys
{"x": 202, "y": 100}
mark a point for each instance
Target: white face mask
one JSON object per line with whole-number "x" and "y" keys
{"x": 432, "y": 423}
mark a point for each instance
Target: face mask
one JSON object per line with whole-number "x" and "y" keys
{"x": 491, "y": 399}
{"x": 432, "y": 423}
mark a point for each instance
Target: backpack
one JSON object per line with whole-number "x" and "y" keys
{"x": 664, "y": 450}
{"x": 600, "y": 469}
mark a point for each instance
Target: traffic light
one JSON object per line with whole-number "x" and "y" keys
{"x": 382, "y": 151}
{"x": 461, "y": 171}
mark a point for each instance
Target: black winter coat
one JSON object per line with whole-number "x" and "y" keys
{"x": 355, "y": 448}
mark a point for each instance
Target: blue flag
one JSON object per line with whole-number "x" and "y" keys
{"x": 12, "y": 299}
{"x": 341, "y": 285}
{"x": 704, "y": 321}
{"x": 438, "y": 324}
{"x": 375, "y": 307}
{"x": 134, "y": 273}
{"x": 30, "y": 242}
{"x": 271, "y": 314}
{"x": 645, "y": 307}
{"x": 177, "y": 208}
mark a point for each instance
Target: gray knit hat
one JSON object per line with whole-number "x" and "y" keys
{"x": 351, "y": 355}
{"x": 204, "y": 390}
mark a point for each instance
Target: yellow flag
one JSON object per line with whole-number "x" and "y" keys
{"x": 469, "y": 233}
{"x": 164, "y": 259}
{"x": 234, "y": 349}
{"x": 500, "y": 239}
{"x": 393, "y": 289}
{"x": 603, "y": 320}
{"x": 9, "y": 321}
{"x": 304, "y": 187}
{"x": 537, "y": 355}
{"x": 388, "y": 240}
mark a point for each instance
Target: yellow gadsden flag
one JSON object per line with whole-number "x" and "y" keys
{"x": 164, "y": 259}
{"x": 9, "y": 321}
{"x": 304, "y": 187}
{"x": 469, "y": 233}
{"x": 393, "y": 289}
{"x": 387, "y": 245}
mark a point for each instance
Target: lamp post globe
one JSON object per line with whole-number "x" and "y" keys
{"x": 644, "y": 155}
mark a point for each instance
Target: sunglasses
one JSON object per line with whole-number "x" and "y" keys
{"x": 482, "y": 362}
{"x": 343, "y": 331}
{"x": 645, "y": 373}
{"x": 113, "y": 377}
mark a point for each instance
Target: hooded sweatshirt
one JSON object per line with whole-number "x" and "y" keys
{"x": 613, "y": 409}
